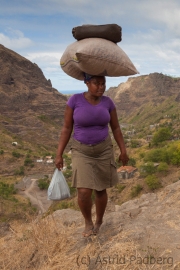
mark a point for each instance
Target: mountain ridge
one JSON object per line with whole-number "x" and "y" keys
{"x": 136, "y": 91}
{"x": 27, "y": 98}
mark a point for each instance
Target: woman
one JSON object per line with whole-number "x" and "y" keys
{"x": 93, "y": 164}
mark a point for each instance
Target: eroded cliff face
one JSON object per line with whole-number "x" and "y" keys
{"x": 154, "y": 88}
{"x": 29, "y": 106}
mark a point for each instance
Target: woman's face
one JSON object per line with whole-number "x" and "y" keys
{"x": 97, "y": 86}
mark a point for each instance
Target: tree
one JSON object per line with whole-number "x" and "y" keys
{"x": 161, "y": 135}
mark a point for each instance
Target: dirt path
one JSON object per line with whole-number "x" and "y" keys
{"x": 28, "y": 188}
{"x": 29, "y": 192}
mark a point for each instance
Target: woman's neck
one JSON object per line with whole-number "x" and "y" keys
{"x": 92, "y": 99}
{"x": 90, "y": 96}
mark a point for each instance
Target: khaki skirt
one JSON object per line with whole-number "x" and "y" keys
{"x": 93, "y": 166}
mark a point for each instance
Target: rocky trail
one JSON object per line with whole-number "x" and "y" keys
{"x": 143, "y": 233}
{"x": 28, "y": 188}
{"x": 151, "y": 222}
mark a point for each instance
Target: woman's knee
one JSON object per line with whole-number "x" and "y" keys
{"x": 100, "y": 193}
{"x": 84, "y": 194}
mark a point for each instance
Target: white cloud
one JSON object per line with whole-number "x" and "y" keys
{"x": 164, "y": 12}
{"x": 15, "y": 40}
{"x": 134, "y": 10}
{"x": 50, "y": 58}
{"x": 153, "y": 50}
{"x": 150, "y": 33}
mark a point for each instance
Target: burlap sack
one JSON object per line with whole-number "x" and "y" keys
{"x": 112, "y": 32}
{"x": 96, "y": 56}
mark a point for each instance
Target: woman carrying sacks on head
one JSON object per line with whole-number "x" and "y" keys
{"x": 93, "y": 163}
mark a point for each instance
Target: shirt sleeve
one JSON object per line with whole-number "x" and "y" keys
{"x": 71, "y": 102}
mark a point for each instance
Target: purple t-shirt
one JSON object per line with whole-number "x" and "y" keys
{"x": 90, "y": 121}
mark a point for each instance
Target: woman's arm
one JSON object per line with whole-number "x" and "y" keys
{"x": 118, "y": 137}
{"x": 65, "y": 136}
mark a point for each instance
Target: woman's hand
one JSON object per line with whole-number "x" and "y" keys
{"x": 59, "y": 162}
{"x": 123, "y": 157}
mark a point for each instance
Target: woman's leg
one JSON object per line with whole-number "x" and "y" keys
{"x": 100, "y": 202}
{"x": 85, "y": 205}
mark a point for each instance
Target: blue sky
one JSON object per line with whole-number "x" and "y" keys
{"x": 40, "y": 30}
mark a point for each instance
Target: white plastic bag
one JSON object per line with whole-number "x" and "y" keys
{"x": 58, "y": 188}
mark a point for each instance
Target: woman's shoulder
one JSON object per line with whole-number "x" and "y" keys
{"x": 76, "y": 96}
{"x": 74, "y": 99}
{"x": 108, "y": 102}
{"x": 107, "y": 99}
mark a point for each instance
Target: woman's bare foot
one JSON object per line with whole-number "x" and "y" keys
{"x": 89, "y": 230}
{"x": 96, "y": 228}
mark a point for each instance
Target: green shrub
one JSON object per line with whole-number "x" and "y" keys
{"x": 1, "y": 152}
{"x": 147, "y": 169}
{"x": 161, "y": 135}
{"x": 132, "y": 162}
{"x": 157, "y": 155}
{"x": 20, "y": 171}
{"x": 141, "y": 155}
{"x": 43, "y": 183}
{"x": 135, "y": 190}
{"x": 163, "y": 167}
{"x": 175, "y": 158}
{"x": 13, "y": 199}
{"x": 120, "y": 187}
{"x": 134, "y": 143}
{"x": 153, "y": 182}
{"x": 28, "y": 162}
{"x": 6, "y": 190}
{"x": 46, "y": 154}
{"x": 65, "y": 205}
{"x": 16, "y": 154}
{"x": 169, "y": 154}
{"x": 42, "y": 117}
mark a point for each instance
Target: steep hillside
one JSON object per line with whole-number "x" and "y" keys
{"x": 146, "y": 94}
{"x": 30, "y": 107}
{"x": 31, "y": 110}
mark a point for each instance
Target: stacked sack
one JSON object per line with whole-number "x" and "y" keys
{"x": 95, "y": 52}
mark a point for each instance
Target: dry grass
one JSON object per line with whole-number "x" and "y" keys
{"x": 43, "y": 245}
{"x": 36, "y": 245}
